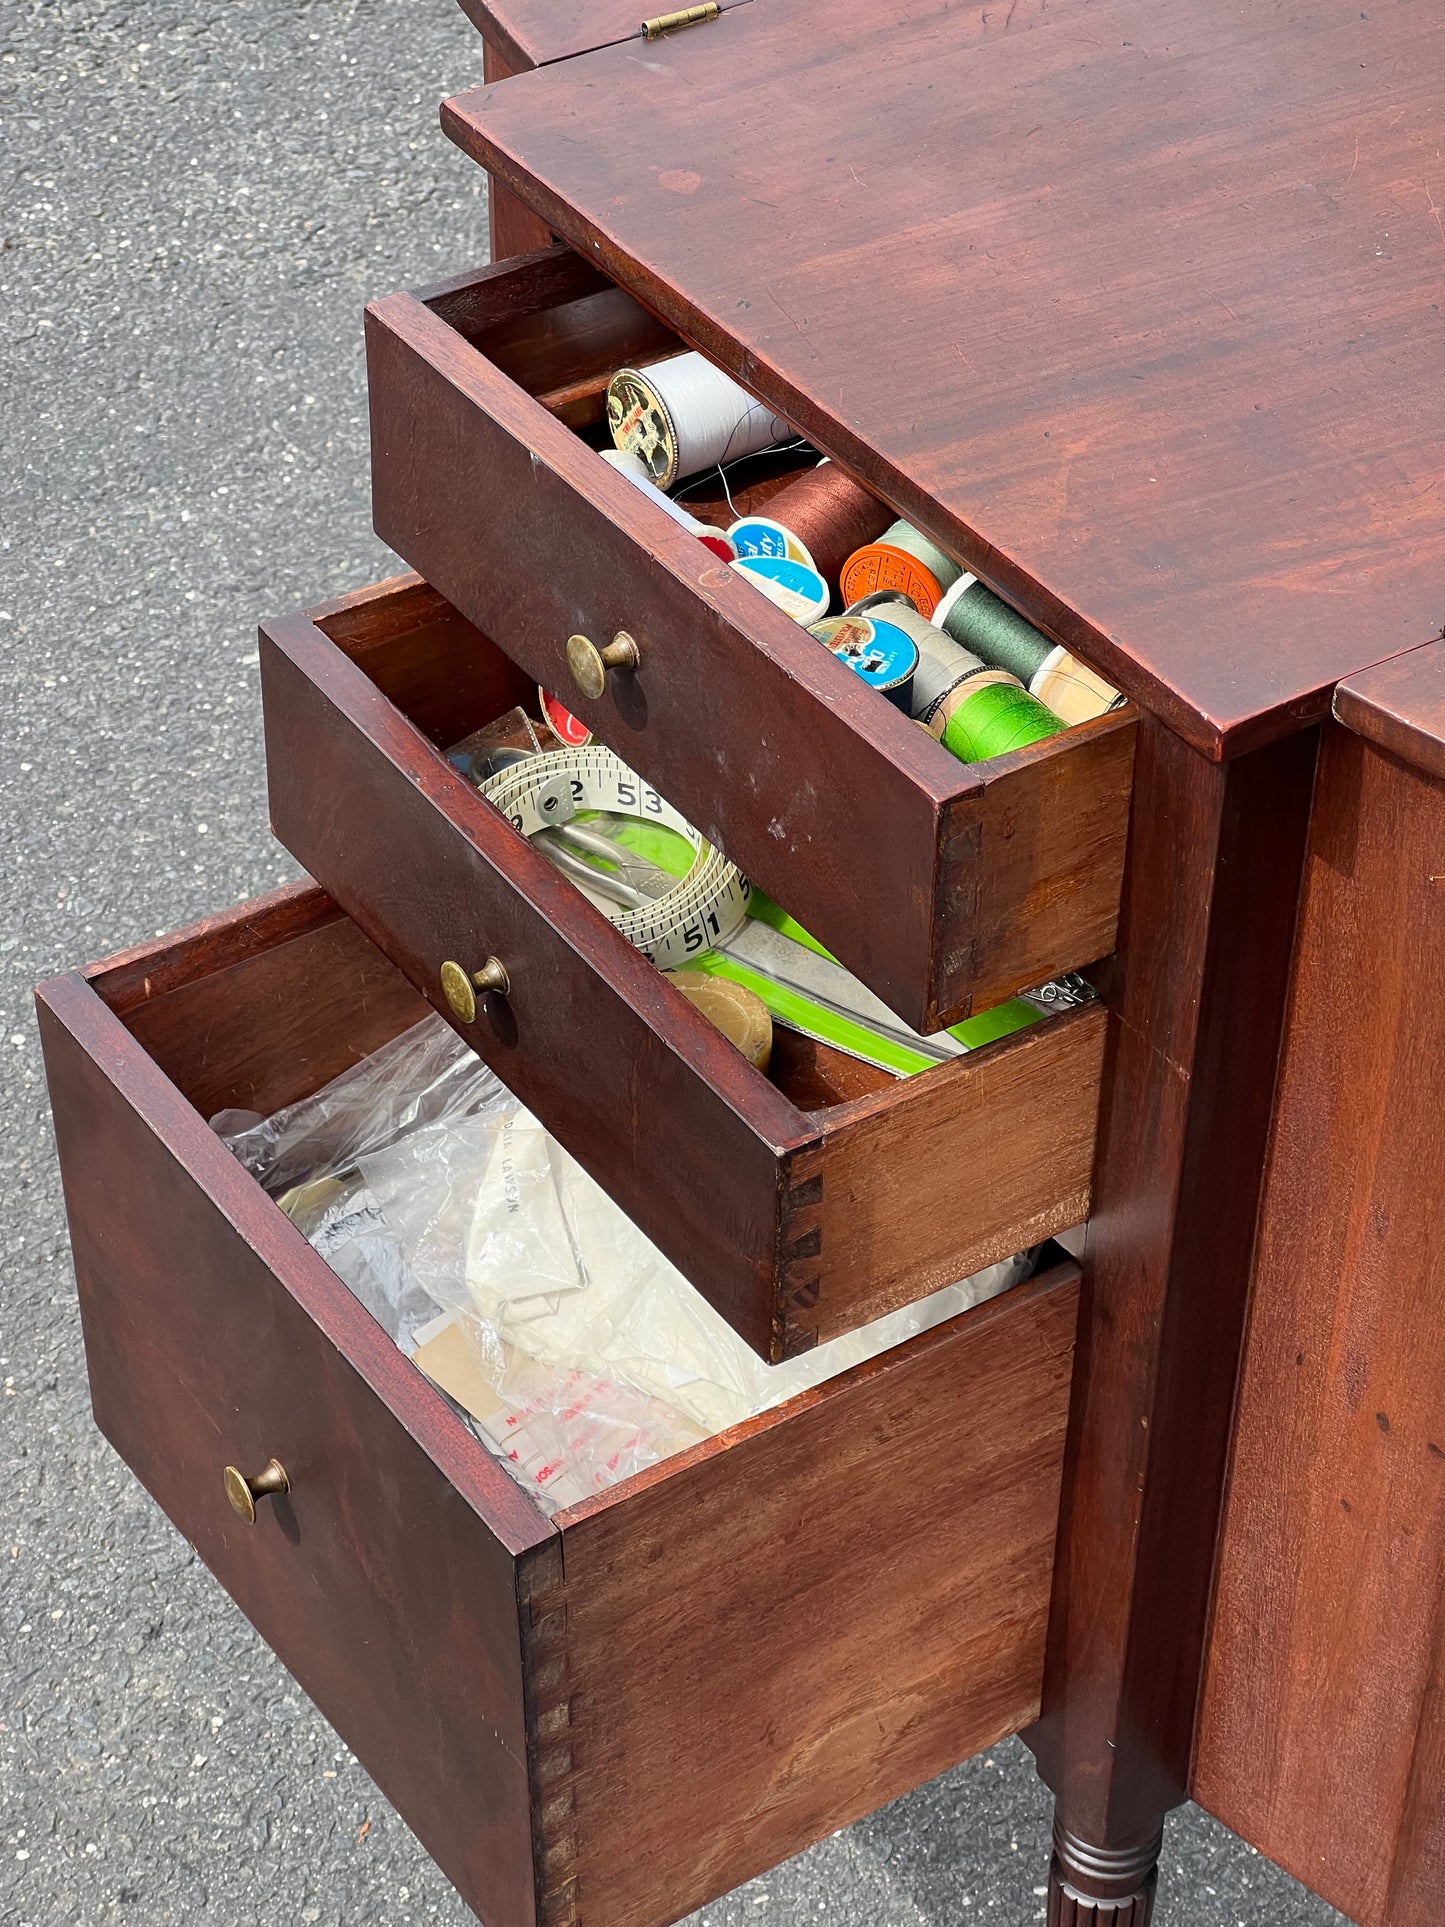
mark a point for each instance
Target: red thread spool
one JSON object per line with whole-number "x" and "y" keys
{"x": 831, "y": 515}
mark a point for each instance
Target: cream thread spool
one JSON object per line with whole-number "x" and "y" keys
{"x": 684, "y": 415}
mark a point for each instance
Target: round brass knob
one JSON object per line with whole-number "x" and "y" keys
{"x": 460, "y": 990}
{"x": 589, "y": 664}
{"x": 243, "y": 1492}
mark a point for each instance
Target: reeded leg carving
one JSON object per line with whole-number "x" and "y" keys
{"x": 1102, "y": 1886}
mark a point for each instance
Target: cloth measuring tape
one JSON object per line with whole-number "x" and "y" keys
{"x": 702, "y": 910}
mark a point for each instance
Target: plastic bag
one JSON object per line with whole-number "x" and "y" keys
{"x": 580, "y": 1353}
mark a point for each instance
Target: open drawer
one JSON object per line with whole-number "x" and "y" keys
{"x": 801, "y": 1204}
{"x": 944, "y": 886}
{"x": 611, "y": 1717}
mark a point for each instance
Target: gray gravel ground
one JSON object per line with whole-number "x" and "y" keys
{"x": 194, "y": 205}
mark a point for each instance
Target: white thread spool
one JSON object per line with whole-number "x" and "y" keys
{"x": 684, "y": 415}
{"x": 635, "y": 469}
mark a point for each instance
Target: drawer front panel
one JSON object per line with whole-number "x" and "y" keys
{"x": 848, "y": 1600}
{"x": 375, "y": 1580}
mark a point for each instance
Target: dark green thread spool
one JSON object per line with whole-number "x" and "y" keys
{"x": 978, "y": 620}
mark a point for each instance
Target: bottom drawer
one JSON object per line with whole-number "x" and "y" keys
{"x": 613, "y": 1716}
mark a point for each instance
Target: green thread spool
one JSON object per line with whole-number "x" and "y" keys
{"x": 991, "y": 715}
{"x": 974, "y": 709}
{"x": 904, "y": 560}
{"x": 980, "y": 621}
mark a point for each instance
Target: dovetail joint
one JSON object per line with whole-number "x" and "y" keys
{"x": 800, "y": 1281}
{"x": 553, "y": 1762}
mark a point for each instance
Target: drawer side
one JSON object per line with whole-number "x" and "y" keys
{"x": 667, "y": 1115}
{"x": 387, "y": 1578}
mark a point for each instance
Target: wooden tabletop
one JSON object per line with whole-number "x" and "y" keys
{"x": 1400, "y": 705}
{"x": 1139, "y": 311}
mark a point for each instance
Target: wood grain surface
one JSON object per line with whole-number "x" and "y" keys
{"x": 1400, "y": 705}
{"x": 943, "y": 886}
{"x": 1140, "y": 312}
{"x": 1322, "y": 1735}
{"x": 796, "y": 1224}
{"x": 815, "y": 1612}
{"x": 386, "y": 1578}
{"x": 1197, "y": 996}
{"x": 533, "y": 33}
{"x": 520, "y": 34}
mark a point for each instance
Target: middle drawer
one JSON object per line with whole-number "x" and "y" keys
{"x": 801, "y": 1204}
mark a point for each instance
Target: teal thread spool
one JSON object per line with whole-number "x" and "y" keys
{"x": 974, "y": 617}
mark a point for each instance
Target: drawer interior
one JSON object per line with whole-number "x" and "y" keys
{"x": 564, "y": 356}
{"x": 825, "y": 1605}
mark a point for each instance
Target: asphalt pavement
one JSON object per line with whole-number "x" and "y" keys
{"x": 195, "y": 203}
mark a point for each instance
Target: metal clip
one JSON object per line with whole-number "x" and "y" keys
{"x": 686, "y": 17}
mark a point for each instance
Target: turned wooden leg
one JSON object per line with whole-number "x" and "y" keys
{"x": 1102, "y": 1886}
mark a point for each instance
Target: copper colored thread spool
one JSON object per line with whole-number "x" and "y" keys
{"x": 831, "y": 515}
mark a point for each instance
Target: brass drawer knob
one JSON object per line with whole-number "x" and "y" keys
{"x": 460, "y": 990}
{"x": 589, "y": 664}
{"x": 243, "y": 1492}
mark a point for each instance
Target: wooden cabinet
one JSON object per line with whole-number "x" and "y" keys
{"x": 1134, "y": 308}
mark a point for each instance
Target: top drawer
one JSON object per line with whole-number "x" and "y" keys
{"x": 944, "y": 886}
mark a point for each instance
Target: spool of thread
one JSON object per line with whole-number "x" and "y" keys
{"x": 564, "y": 725}
{"x": 881, "y": 653}
{"x": 798, "y": 590}
{"x": 824, "y": 513}
{"x": 991, "y": 715}
{"x": 683, "y": 415}
{"x": 902, "y": 558}
{"x": 739, "y": 1013}
{"x": 975, "y": 710}
{"x": 974, "y": 616}
{"x": 635, "y": 469}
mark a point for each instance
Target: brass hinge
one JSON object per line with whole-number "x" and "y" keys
{"x": 686, "y": 17}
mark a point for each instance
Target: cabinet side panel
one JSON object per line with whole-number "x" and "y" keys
{"x": 1322, "y": 1688}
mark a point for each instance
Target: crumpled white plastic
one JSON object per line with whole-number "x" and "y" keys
{"x": 586, "y": 1355}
